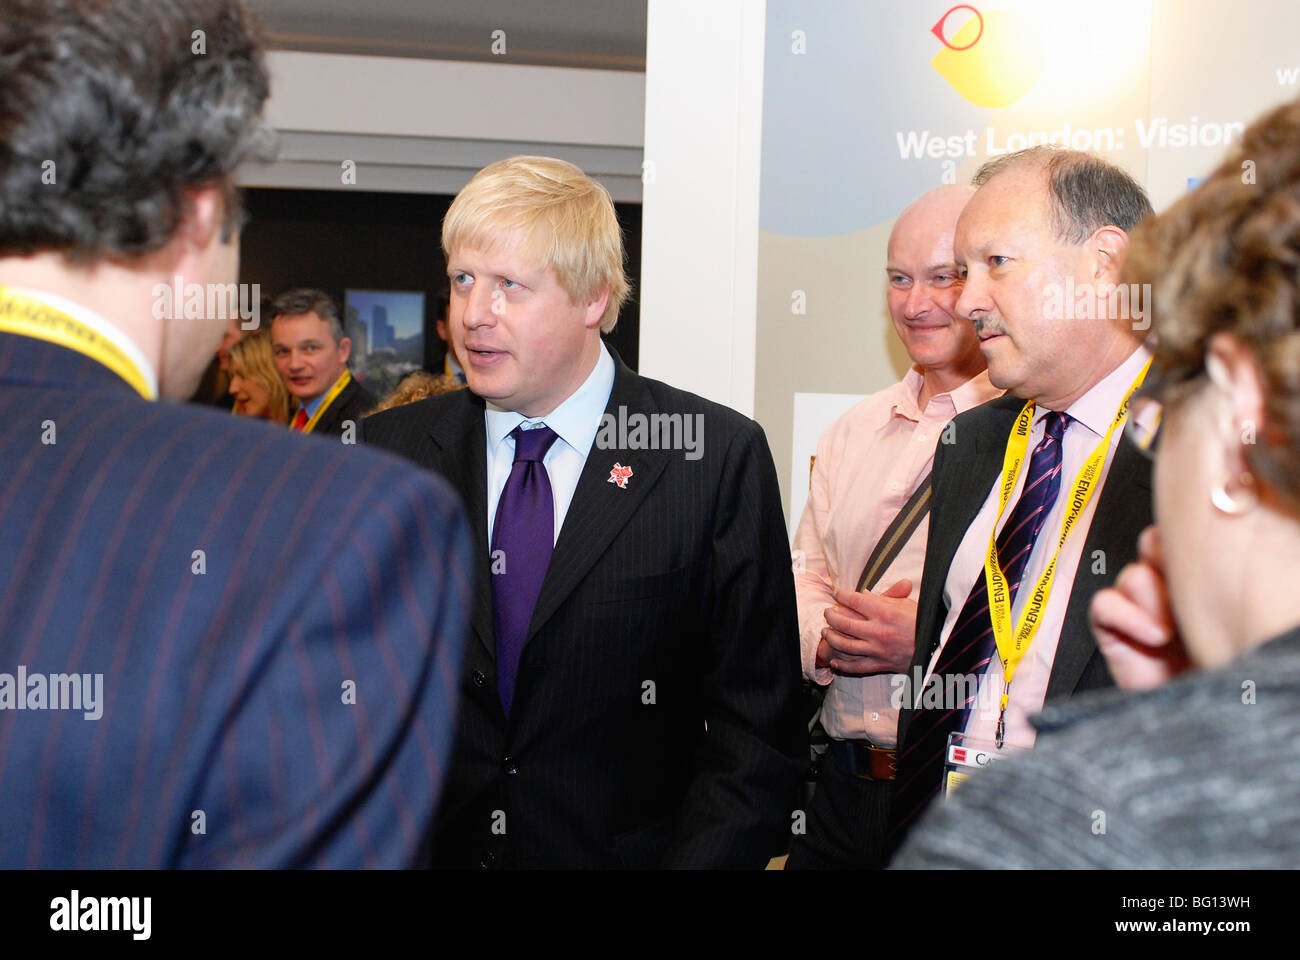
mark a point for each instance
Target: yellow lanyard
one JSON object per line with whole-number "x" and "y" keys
{"x": 30, "y": 317}
{"x": 334, "y": 391}
{"x": 1012, "y": 647}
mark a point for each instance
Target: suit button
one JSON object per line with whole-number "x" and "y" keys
{"x": 508, "y": 765}
{"x": 479, "y": 678}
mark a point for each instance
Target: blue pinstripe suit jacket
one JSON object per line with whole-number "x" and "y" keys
{"x": 278, "y": 621}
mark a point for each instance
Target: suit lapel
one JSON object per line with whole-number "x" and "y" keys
{"x": 1123, "y": 510}
{"x": 461, "y": 456}
{"x": 600, "y": 508}
{"x": 971, "y": 472}
{"x": 331, "y": 416}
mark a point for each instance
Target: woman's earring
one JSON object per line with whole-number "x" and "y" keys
{"x": 1225, "y": 503}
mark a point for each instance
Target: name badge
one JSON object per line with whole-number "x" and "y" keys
{"x": 966, "y": 755}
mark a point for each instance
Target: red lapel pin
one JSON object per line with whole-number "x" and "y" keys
{"x": 620, "y": 475}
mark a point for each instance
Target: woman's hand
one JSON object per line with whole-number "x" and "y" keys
{"x": 1134, "y": 625}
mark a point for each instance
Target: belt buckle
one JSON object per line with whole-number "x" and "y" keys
{"x": 867, "y": 758}
{"x": 862, "y": 760}
{"x": 890, "y": 760}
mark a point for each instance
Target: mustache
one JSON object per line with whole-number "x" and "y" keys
{"x": 988, "y": 325}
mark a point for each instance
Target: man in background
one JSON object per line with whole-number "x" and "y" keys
{"x": 860, "y": 544}
{"x": 450, "y": 367}
{"x": 222, "y": 646}
{"x": 311, "y": 355}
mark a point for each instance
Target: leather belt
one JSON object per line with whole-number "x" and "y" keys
{"x": 865, "y": 761}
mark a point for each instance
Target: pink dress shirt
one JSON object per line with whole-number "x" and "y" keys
{"x": 1091, "y": 416}
{"x": 869, "y": 462}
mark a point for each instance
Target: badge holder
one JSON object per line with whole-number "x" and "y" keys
{"x": 966, "y": 754}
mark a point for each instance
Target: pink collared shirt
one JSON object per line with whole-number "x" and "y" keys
{"x": 869, "y": 462}
{"x": 1091, "y": 416}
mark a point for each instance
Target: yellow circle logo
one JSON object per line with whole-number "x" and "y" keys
{"x": 992, "y": 59}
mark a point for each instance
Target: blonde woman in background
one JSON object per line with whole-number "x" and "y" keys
{"x": 254, "y": 382}
{"x": 417, "y": 385}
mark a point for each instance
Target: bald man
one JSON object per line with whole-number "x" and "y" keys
{"x": 870, "y": 479}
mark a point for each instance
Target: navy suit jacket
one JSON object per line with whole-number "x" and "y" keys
{"x": 278, "y": 621}
{"x": 656, "y": 718}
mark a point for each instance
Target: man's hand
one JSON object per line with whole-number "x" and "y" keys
{"x": 869, "y": 632}
{"x": 1134, "y": 624}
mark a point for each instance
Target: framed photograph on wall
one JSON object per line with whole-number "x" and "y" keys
{"x": 387, "y": 332}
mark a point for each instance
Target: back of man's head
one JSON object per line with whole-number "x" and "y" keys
{"x": 110, "y": 110}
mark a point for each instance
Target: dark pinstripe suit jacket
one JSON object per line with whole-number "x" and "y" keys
{"x": 667, "y": 605}
{"x": 326, "y": 574}
{"x": 964, "y": 473}
{"x": 353, "y": 401}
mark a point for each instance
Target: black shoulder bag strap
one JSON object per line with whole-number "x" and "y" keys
{"x": 895, "y": 538}
{"x": 887, "y": 548}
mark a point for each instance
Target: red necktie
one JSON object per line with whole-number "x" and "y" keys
{"x": 300, "y": 420}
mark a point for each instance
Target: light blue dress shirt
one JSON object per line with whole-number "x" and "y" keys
{"x": 575, "y": 422}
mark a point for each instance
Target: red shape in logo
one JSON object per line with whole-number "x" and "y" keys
{"x": 958, "y": 755}
{"x": 937, "y": 29}
{"x": 619, "y": 475}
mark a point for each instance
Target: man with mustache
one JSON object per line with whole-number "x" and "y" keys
{"x": 1036, "y": 504}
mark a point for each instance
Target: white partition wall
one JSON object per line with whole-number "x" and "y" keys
{"x": 703, "y": 127}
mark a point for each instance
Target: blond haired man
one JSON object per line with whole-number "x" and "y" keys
{"x": 632, "y": 686}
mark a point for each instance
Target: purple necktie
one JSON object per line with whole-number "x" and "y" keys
{"x": 523, "y": 537}
{"x": 971, "y": 645}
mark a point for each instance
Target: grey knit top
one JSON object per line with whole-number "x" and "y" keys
{"x": 1203, "y": 772}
